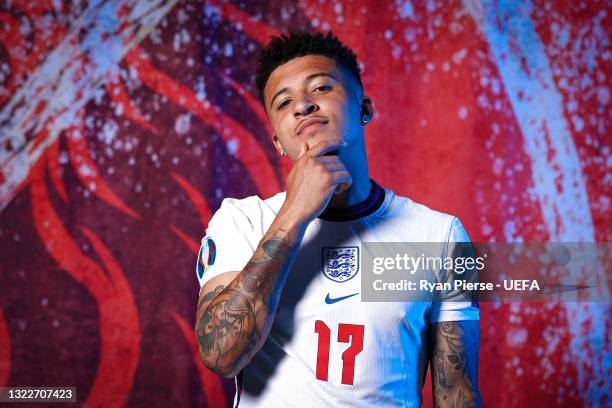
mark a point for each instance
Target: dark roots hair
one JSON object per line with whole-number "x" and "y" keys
{"x": 298, "y": 44}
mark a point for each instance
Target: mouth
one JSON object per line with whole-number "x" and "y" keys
{"x": 335, "y": 152}
{"x": 308, "y": 123}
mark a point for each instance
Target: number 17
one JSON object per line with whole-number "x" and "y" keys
{"x": 346, "y": 333}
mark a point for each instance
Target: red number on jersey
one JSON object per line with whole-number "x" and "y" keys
{"x": 322, "y": 349}
{"x": 354, "y": 334}
{"x": 346, "y": 333}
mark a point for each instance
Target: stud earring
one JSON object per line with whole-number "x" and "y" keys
{"x": 283, "y": 152}
{"x": 364, "y": 121}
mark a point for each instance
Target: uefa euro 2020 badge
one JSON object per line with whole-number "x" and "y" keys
{"x": 341, "y": 263}
{"x": 206, "y": 256}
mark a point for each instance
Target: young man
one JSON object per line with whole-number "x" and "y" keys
{"x": 276, "y": 309}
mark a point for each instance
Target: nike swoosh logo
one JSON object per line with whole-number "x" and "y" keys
{"x": 329, "y": 300}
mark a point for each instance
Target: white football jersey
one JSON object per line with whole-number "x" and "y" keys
{"x": 327, "y": 347}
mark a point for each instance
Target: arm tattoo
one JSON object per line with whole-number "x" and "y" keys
{"x": 232, "y": 320}
{"x": 210, "y": 295}
{"x": 454, "y": 364}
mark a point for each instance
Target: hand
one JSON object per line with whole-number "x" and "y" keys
{"x": 313, "y": 180}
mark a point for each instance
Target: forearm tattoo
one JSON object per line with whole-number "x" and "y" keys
{"x": 454, "y": 364}
{"x": 230, "y": 320}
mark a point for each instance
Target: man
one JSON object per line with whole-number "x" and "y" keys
{"x": 277, "y": 309}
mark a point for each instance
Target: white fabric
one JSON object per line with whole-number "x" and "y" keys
{"x": 391, "y": 367}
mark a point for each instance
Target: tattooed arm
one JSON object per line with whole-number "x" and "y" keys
{"x": 454, "y": 363}
{"x": 235, "y": 315}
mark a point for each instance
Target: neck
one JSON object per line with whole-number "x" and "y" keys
{"x": 359, "y": 190}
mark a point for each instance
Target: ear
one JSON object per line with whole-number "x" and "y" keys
{"x": 277, "y": 143}
{"x": 367, "y": 109}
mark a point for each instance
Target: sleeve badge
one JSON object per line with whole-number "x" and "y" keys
{"x": 206, "y": 256}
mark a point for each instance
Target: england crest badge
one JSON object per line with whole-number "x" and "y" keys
{"x": 340, "y": 263}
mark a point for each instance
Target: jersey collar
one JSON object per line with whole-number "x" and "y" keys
{"x": 360, "y": 210}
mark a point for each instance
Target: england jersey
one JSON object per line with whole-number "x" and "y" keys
{"x": 326, "y": 347}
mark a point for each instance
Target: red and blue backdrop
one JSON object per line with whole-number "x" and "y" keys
{"x": 124, "y": 124}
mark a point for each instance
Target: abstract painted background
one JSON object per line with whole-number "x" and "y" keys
{"x": 125, "y": 123}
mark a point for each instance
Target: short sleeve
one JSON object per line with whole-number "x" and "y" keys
{"x": 461, "y": 305}
{"x": 227, "y": 245}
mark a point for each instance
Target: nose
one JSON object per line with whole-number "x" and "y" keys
{"x": 304, "y": 107}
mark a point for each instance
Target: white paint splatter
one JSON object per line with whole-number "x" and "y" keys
{"x": 109, "y": 131}
{"x": 182, "y": 124}
{"x": 516, "y": 337}
{"x": 68, "y": 79}
{"x": 232, "y": 146}
{"x": 459, "y": 56}
{"x": 513, "y": 41}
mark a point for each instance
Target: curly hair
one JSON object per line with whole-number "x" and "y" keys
{"x": 286, "y": 47}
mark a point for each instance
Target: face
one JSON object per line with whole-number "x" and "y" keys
{"x": 312, "y": 99}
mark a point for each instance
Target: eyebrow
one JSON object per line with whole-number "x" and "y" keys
{"x": 308, "y": 79}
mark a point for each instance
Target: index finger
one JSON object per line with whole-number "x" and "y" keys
{"x": 321, "y": 148}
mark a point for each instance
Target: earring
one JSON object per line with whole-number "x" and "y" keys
{"x": 364, "y": 121}
{"x": 283, "y": 152}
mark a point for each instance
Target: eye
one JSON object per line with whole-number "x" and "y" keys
{"x": 283, "y": 104}
{"x": 323, "y": 88}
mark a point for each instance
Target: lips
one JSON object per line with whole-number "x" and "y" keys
{"x": 307, "y": 122}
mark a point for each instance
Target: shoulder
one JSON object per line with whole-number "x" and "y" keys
{"x": 252, "y": 205}
{"x": 248, "y": 211}
{"x": 429, "y": 224}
